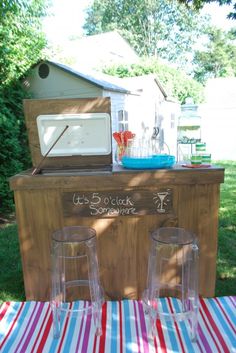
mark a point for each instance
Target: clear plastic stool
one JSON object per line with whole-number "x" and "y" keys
{"x": 75, "y": 276}
{"x": 173, "y": 272}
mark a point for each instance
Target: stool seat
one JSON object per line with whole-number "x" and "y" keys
{"x": 75, "y": 234}
{"x": 172, "y": 272}
{"x": 75, "y": 276}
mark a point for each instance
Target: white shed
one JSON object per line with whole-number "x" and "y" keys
{"x": 138, "y": 104}
{"x": 219, "y": 118}
{"x": 110, "y": 48}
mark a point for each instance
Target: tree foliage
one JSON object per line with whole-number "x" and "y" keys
{"x": 176, "y": 82}
{"x": 198, "y": 4}
{"x": 152, "y": 27}
{"x": 21, "y": 38}
{"x": 21, "y": 44}
{"x": 218, "y": 59}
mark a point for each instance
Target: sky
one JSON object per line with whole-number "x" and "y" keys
{"x": 67, "y": 19}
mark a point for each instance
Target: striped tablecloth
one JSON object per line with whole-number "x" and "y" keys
{"x": 27, "y": 327}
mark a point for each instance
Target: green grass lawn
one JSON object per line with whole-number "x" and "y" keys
{"x": 226, "y": 259}
{"x": 11, "y": 280}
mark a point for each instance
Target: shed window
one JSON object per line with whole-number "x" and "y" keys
{"x": 123, "y": 120}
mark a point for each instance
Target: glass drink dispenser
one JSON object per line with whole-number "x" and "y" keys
{"x": 189, "y": 129}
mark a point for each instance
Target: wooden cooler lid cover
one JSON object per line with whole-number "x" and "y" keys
{"x": 85, "y": 143}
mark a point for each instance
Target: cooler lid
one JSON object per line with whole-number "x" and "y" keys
{"x": 87, "y": 134}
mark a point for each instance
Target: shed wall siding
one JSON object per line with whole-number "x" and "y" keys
{"x": 60, "y": 84}
{"x": 117, "y": 104}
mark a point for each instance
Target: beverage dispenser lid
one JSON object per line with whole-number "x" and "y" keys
{"x": 87, "y": 134}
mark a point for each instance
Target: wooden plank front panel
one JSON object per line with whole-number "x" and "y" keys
{"x": 208, "y": 206}
{"x": 38, "y": 215}
{"x": 123, "y": 241}
{"x": 198, "y": 211}
{"x": 123, "y": 245}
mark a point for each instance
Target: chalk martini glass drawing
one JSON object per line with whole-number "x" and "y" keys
{"x": 159, "y": 200}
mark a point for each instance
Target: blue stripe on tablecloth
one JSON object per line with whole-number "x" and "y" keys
{"x": 228, "y": 309}
{"x": 71, "y": 330}
{"x": 55, "y": 342}
{"x": 126, "y": 326}
{"x": 215, "y": 310}
{"x": 114, "y": 327}
{"x": 184, "y": 329}
{"x": 169, "y": 325}
{"x": 17, "y": 327}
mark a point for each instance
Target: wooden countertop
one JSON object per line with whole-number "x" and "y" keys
{"x": 117, "y": 178}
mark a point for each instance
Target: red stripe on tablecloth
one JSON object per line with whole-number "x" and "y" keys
{"x": 176, "y": 326}
{"x": 213, "y": 325}
{"x": 104, "y": 323}
{"x": 155, "y": 344}
{"x": 94, "y": 344}
{"x": 13, "y": 324}
{"x": 45, "y": 332}
{"x": 5, "y": 306}
{"x": 225, "y": 315}
{"x": 64, "y": 331}
{"x": 161, "y": 337}
{"x": 121, "y": 332}
{"x": 45, "y": 335}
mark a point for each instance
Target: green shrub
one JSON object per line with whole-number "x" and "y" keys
{"x": 14, "y": 153}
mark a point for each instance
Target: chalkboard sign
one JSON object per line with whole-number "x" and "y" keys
{"x": 117, "y": 203}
